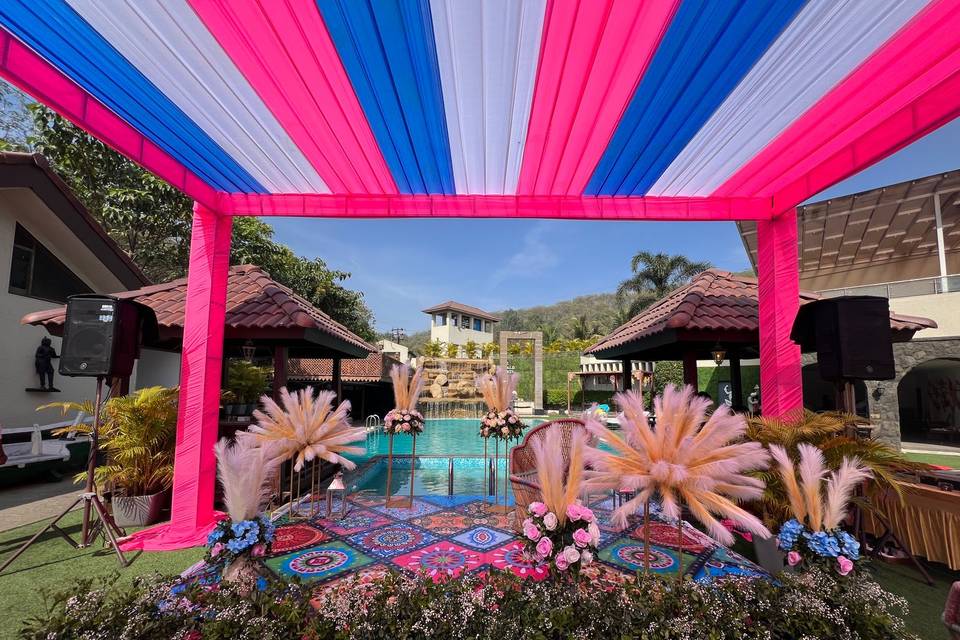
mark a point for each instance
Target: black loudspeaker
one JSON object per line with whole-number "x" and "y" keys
{"x": 101, "y": 337}
{"x": 851, "y": 335}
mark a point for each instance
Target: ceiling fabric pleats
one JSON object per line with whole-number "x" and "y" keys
{"x": 60, "y": 35}
{"x": 873, "y": 104}
{"x": 287, "y": 56}
{"x": 172, "y": 48}
{"x": 487, "y": 75}
{"x": 827, "y": 40}
{"x": 709, "y": 47}
{"x": 388, "y": 50}
{"x": 593, "y": 55}
{"x": 525, "y": 106}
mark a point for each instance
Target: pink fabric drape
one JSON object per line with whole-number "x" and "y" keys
{"x": 194, "y": 473}
{"x": 781, "y": 389}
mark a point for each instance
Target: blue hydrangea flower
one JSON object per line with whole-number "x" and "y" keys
{"x": 849, "y": 545}
{"x": 214, "y": 536}
{"x": 261, "y": 584}
{"x": 789, "y": 532}
{"x": 178, "y": 589}
{"x": 823, "y": 544}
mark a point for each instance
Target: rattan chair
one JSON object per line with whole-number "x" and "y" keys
{"x": 523, "y": 463}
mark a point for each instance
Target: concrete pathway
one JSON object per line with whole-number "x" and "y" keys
{"x": 924, "y": 447}
{"x": 30, "y": 503}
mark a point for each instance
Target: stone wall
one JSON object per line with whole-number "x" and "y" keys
{"x": 885, "y": 410}
{"x": 446, "y": 378}
{"x": 882, "y": 399}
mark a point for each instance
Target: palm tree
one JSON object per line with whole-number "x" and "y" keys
{"x": 583, "y": 329}
{"x": 550, "y": 333}
{"x": 654, "y": 276}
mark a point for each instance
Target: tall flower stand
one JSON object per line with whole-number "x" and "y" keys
{"x": 497, "y": 507}
{"x": 400, "y": 502}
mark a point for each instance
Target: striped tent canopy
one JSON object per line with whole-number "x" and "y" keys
{"x": 704, "y": 109}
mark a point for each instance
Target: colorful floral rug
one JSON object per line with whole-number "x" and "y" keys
{"x": 447, "y": 536}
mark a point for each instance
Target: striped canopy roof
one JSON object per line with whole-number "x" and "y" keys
{"x": 740, "y": 102}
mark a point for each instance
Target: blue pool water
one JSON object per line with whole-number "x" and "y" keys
{"x": 440, "y": 441}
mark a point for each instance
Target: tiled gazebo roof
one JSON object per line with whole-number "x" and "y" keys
{"x": 716, "y": 305}
{"x": 258, "y": 307}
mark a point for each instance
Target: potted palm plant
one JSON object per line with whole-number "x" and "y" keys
{"x": 830, "y": 432}
{"x": 137, "y": 436}
{"x": 245, "y": 383}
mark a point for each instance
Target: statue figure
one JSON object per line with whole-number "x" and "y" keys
{"x": 42, "y": 361}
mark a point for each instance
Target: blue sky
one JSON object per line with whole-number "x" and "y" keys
{"x": 403, "y": 266}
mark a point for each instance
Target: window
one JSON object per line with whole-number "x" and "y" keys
{"x": 477, "y": 324}
{"x": 37, "y": 273}
{"x": 440, "y": 319}
{"x": 453, "y": 320}
{"x": 465, "y": 322}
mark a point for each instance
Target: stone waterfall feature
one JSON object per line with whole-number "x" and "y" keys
{"x": 450, "y": 388}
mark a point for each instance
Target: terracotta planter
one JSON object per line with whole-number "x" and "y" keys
{"x": 139, "y": 511}
{"x": 768, "y": 555}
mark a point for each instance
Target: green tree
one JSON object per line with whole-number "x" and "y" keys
{"x": 550, "y": 333}
{"x": 582, "y": 328}
{"x": 433, "y": 349}
{"x": 489, "y": 348}
{"x": 151, "y": 221}
{"x": 453, "y": 350}
{"x": 654, "y": 276}
{"x": 471, "y": 349}
{"x": 15, "y": 121}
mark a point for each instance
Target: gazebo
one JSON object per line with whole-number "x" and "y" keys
{"x": 712, "y": 110}
{"x": 716, "y": 311}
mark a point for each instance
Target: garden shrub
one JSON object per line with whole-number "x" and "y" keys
{"x": 810, "y": 605}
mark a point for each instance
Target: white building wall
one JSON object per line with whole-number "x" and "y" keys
{"x": 157, "y": 369}
{"x": 19, "y": 342}
{"x": 944, "y": 308}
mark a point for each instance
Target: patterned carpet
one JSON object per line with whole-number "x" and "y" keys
{"x": 447, "y": 536}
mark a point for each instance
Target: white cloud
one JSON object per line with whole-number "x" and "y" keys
{"x": 533, "y": 257}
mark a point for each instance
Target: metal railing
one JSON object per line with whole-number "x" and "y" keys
{"x": 492, "y": 470}
{"x": 900, "y": 289}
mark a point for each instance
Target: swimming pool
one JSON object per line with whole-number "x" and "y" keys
{"x": 441, "y": 442}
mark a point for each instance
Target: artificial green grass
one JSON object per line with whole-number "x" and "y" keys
{"x": 53, "y": 564}
{"x": 926, "y": 602}
{"x": 942, "y": 460}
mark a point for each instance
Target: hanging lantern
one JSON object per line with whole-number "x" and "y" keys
{"x": 719, "y": 354}
{"x": 249, "y": 350}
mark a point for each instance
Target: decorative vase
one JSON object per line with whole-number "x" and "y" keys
{"x": 769, "y": 556}
{"x": 242, "y": 569}
{"x": 139, "y": 511}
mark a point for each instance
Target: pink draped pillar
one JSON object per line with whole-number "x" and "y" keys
{"x": 781, "y": 390}
{"x": 194, "y": 472}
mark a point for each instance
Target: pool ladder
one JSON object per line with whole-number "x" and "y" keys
{"x": 373, "y": 427}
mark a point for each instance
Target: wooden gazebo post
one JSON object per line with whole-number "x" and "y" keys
{"x": 627, "y": 365}
{"x": 280, "y": 362}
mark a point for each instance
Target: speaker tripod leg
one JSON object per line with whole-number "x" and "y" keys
{"x": 52, "y": 525}
{"x": 108, "y": 528}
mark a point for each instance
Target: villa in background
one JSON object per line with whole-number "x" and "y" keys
{"x": 395, "y": 350}
{"x": 456, "y": 323}
{"x": 50, "y": 248}
{"x": 901, "y": 242}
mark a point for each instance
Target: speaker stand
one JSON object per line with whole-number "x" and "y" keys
{"x": 90, "y": 529}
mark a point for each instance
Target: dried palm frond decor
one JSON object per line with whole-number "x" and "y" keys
{"x": 691, "y": 459}
{"x": 245, "y": 471}
{"x": 305, "y": 430}
{"x": 819, "y": 500}
{"x": 500, "y": 423}
{"x": 403, "y": 419}
{"x": 558, "y": 529}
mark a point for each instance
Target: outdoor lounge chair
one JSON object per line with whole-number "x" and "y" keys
{"x": 523, "y": 463}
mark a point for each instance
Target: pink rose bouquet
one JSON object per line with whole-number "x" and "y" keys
{"x": 566, "y": 541}
{"x": 501, "y": 424}
{"x": 403, "y": 422}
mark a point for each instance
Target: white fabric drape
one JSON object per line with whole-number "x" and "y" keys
{"x": 825, "y": 42}
{"x": 487, "y": 52}
{"x": 169, "y": 44}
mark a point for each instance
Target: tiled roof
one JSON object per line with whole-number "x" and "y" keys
{"x": 254, "y": 301}
{"x": 374, "y": 368}
{"x": 450, "y": 305}
{"x": 714, "y": 301}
